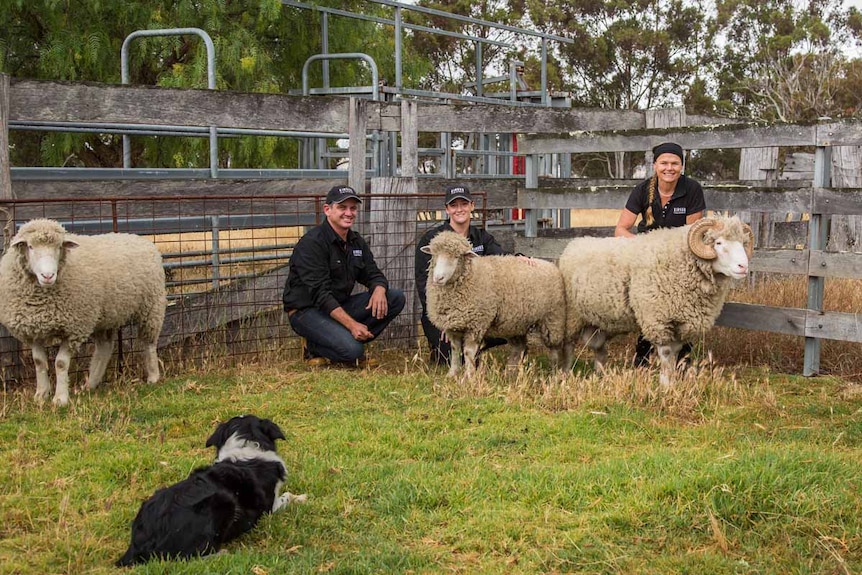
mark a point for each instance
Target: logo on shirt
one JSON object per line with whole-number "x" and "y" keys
{"x": 679, "y": 210}
{"x": 357, "y": 253}
{"x": 479, "y": 249}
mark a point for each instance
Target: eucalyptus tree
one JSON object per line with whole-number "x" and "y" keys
{"x": 627, "y": 55}
{"x": 787, "y": 60}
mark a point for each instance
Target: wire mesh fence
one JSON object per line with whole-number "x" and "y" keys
{"x": 226, "y": 262}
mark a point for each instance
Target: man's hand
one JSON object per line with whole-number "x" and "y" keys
{"x": 378, "y": 304}
{"x": 360, "y": 332}
{"x": 530, "y": 261}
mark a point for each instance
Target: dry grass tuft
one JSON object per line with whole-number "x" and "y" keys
{"x": 702, "y": 388}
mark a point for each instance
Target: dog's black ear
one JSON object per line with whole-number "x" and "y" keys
{"x": 271, "y": 430}
{"x": 218, "y": 436}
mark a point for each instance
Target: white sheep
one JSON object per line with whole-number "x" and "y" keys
{"x": 471, "y": 297}
{"x": 60, "y": 288}
{"x": 669, "y": 283}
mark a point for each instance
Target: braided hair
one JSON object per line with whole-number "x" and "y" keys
{"x": 653, "y": 183}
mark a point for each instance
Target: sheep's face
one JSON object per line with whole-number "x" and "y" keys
{"x": 726, "y": 244}
{"x": 731, "y": 258}
{"x": 443, "y": 268}
{"x": 43, "y": 255}
{"x": 448, "y": 251}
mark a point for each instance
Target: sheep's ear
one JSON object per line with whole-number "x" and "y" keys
{"x": 472, "y": 254}
{"x": 70, "y": 244}
{"x": 425, "y": 250}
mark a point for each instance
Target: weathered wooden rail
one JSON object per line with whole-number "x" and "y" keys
{"x": 544, "y": 132}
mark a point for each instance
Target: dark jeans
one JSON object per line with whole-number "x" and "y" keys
{"x": 327, "y": 338}
{"x": 643, "y": 349}
{"x": 440, "y": 350}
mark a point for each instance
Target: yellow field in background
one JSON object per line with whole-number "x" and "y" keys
{"x": 228, "y": 239}
{"x": 594, "y": 218}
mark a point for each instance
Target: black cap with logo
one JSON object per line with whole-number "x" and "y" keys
{"x": 340, "y": 193}
{"x": 456, "y": 192}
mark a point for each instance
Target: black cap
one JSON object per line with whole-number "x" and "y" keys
{"x": 668, "y": 148}
{"x": 340, "y": 193}
{"x": 456, "y": 192}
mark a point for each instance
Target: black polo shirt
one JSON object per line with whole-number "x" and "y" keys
{"x": 324, "y": 269}
{"x": 483, "y": 244}
{"x": 687, "y": 199}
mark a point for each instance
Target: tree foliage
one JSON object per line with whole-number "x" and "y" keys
{"x": 784, "y": 60}
{"x": 628, "y": 55}
{"x": 766, "y": 59}
{"x": 260, "y": 46}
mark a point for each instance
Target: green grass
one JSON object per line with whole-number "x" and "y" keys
{"x": 408, "y": 472}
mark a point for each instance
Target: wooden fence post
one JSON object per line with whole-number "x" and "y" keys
{"x": 5, "y": 171}
{"x": 845, "y": 231}
{"x": 759, "y": 164}
{"x": 661, "y": 118}
{"x": 392, "y": 237}
{"x": 10, "y": 348}
{"x": 357, "y": 122}
{"x": 817, "y": 228}
{"x": 409, "y": 138}
{"x": 5, "y": 174}
{"x": 531, "y": 215}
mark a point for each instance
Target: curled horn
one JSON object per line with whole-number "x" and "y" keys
{"x": 749, "y": 249}
{"x": 695, "y": 239}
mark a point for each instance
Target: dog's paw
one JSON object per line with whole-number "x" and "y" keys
{"x": 296, "y": 498}
{"x": 287, "y": 498}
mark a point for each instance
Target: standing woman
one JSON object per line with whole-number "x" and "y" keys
{"x": 668, "y": 199}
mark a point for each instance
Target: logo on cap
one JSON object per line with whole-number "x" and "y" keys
{"x": 338, "y": 194}
{"x": 457, "y": 192}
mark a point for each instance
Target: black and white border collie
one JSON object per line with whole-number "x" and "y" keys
{"x": 217, "y": 503}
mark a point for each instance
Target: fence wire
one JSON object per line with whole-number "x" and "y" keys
{"x": 226, "y": 262}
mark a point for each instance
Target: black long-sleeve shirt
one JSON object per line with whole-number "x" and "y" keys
{"x": 324, "y": 269}
{"x": 483, "y": 244}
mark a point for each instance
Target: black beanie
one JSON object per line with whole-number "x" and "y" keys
{"x": 668, "y": 148}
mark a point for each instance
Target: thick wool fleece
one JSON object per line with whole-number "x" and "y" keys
{"x": 651, "y": 282}
{"x": 497, "y": 296}
{"x": 106, "y": 282}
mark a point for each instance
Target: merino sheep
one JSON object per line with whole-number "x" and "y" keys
{"x": 57, "y": 287}
{"x": 471, "y": 297}
{"x": 670, "y": 284}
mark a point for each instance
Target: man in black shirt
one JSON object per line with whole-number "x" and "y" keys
{"x": 668, "y": 199}
{"x": 459, "y": 207}
{"x": 325, "y": 266}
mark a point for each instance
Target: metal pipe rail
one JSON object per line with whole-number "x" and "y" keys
{"x": 378, "y": 20}
{"x": 375, "y": 84}
{"x": 211, "y": 83}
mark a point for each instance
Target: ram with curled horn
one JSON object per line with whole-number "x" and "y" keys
{"x": 669, "y": 284}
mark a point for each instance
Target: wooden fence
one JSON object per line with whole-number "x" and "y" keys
{"x": 545, "y": 132}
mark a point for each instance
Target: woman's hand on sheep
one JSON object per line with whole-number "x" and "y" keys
{"x": 377, "y": 303}
{"x": 528, "y": 259}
